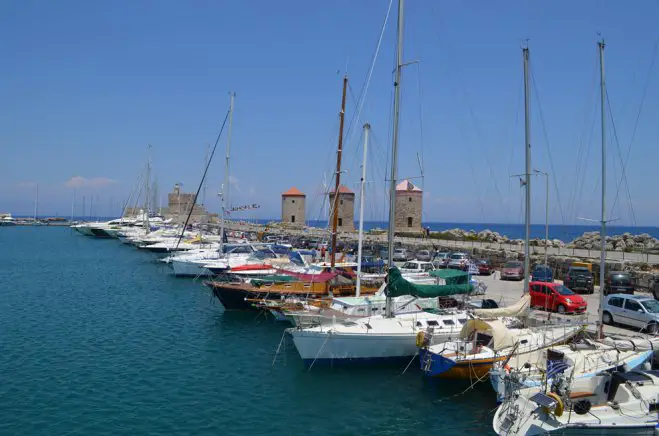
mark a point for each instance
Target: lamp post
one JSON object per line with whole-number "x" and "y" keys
{"x": 536, "y": 171}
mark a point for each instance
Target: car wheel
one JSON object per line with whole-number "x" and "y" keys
{"x": 607, "y": 318}
{"x": 560, "y": 309}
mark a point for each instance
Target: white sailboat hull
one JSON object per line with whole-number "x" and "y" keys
{"x": 184, "y": 268}
{"x": 338, "y": 347}
{"x": 389, "y": 340}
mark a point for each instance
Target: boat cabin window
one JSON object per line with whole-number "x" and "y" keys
{"x": 463, "y": 320}
{"x": 242, "y": 250}
{"x": 448, "y": 322}
{"x": 524, "y": 341}
{"x": 432, "y": 322}
{"x": 426, "y": 267}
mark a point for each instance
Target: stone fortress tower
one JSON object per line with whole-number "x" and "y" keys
{"x": 293, "y": 207}
{"x": 409, "y": 207}
{"x": 346, "y": 208}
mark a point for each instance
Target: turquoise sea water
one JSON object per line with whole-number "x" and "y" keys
{"x": 97, "y": 338}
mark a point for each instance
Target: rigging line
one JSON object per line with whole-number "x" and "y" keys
{"x": 581, "y": 175}
{"x": 420, "y": 89}
{"x": 517, "y": 111}
{"x": 474, "y": 120}
{"x": 480, "y": 141}
{"x": 581, "y": 137}
{"x": 208, "y": 164}
{"x": 546, "y": 137}
{"x": 623, "y": 177}
{"x": 355, "y": 158}
{"x": 638, "y": 113}
{"x": 362, "y": 95}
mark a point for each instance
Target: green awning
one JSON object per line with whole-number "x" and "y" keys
{"x": 450, "y": 274}
{"x": 455, "y": 284}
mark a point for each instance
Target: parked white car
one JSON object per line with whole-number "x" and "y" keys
{"x": 632, "y": 310}
{"x": 459, "y": 261}
{"x": 416, "y": 266}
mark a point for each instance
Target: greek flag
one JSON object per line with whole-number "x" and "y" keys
{"x": 555, "y": 367}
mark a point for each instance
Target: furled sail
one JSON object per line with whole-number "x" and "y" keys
{"x": 517, "y": 309}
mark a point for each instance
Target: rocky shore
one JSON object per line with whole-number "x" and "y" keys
{"x": 589, "y": 240}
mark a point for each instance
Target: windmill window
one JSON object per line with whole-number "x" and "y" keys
{"x": 410, "y": 220}
{"x": 340, "y": 222}
{"x": 409, "y": 198}
{"x": 341, "y": 201}
{"x": 292, "y": 201}
{"x": 292, "y": 218}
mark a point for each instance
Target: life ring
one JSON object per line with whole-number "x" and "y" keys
{"x": 507, "y": 368}
{"x": 419, "y": 339}
{"x": 558, "y": 410}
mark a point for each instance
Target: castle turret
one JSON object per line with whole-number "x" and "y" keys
{"x": 409, "y": 207}
{"x": 346, "y": 209}
{"x": 293, "y": 207}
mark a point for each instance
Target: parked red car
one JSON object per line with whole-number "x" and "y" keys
{"x": 556, "y": 298}
{"x": 513, "y": 270}
{"x": 484, "y": 267}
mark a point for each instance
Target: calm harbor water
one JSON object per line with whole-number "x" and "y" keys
{"x": 99, "y": 339}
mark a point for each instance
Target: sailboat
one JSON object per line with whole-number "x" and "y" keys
{"x": 576, "y": 401}
{"x": 484, "y": 342}
{"x": 323, "y": 281}
{"x": 388, "y": 336}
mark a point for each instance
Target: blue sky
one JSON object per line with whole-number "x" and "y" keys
{"x": 85, "y": 86}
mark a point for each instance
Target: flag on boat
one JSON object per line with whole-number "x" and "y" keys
{"x": 555, "y": 367}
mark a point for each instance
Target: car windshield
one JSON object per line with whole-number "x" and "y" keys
{"x": 399, "y": 250}
{"x": 563, "y": 290}
{"x": 410, "y": 265}
{"x": 483, "y": 262}
{"x": 578, "y": 271}
{"x": 621, "y": 280}
{"x": 457, "y": 256}
{"x": 541, "y": 270}
{"x": 441, "y": 255}
{"x": 512, "y": 265}
{"x": 652, "y": 306}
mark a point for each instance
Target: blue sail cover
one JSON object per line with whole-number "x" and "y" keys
{"x": 457, "y": 282}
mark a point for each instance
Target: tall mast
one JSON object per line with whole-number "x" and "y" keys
{"x": 603, "y": 228}
{"x": 225, "y": 185}
{"x": 394, "y": 145}
{"x": 148, "y": 180}
{"x": 367, "y": 128}
{"x": 73, "y": 204}
{"x": 203, "y": 195}
{"x": 335, "y": 206}
{"x": 527, "y": 170}
{"x": 36, "y": 203}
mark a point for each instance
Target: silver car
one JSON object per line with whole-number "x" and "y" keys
{"x": 423, "y": 255}
{"x": 632, "y": 310}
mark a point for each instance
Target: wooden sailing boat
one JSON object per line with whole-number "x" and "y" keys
{"x": 331, "y": 281}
